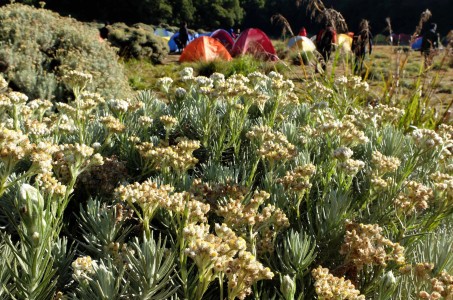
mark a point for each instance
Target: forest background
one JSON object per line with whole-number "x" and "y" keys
{"x": 212, "y": 14}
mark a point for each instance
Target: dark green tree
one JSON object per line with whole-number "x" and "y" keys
{"x": 183, "y": 10}
{"x": 212, "y": 14}
{"x": 155, "y": 11}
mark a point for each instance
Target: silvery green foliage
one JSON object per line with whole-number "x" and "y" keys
{"x": 295, "y": 253}
{"x": 31, "y": 271}
{"x": 328, "y": 215}
{"x": 287, "y": 135}
{"x": 5, "y": 260}
{"x": 100, "y": 227}
{"x": 108, "y": 282}
{"x": 435, "y": 248}
{"x": 151, "y": 269}
{"x": 138, "y": 41}
{"x": 63, "y": 254}
{"x": 38, "y": 45}
{"x": 387, "y": 286}
{"x": 147, "y": 274}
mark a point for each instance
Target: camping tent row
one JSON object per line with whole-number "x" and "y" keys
{"x": 305, "y": 44}
{"x": 220, "y": 45}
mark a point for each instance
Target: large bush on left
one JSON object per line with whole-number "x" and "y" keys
{"x": 37, "y": 46}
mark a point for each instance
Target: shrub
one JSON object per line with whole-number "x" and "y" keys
{"x": 138, "y": 41}
{"x": 244, "y": 64}
{"x": 210, "y": 67}
{"x": 37, "y": 47}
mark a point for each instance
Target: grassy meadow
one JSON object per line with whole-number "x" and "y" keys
{"x": 378, "y": 67}
{"x": 238, "y": 180}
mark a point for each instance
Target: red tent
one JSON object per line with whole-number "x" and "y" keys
{"x": 254, "y": 41}
{"x": 223, "y": 37}
{"x": 204, "y": 48}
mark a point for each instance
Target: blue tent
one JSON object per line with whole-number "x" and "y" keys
{"x": 198, "y": 34}
{"x": 417, "y": 44}
{"x": 172, "y": 44}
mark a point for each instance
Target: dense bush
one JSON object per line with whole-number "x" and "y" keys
{"x": 138, "y": 41}
{"x": 239, "y": 187}
{"x": 38, "y": 46}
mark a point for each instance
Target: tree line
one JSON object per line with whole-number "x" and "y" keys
{"x": 213, "y": 14}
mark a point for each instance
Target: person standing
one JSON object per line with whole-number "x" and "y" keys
{"x": 183, "y": 36}
{"x": 325, "y": 40}
{"x": 361, "y": 44}
{"x": 429, "y": 44}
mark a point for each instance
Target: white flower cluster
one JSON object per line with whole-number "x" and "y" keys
{"x": 39, "y": 104}
{"x": 17, "y": 98}
{"x": 37, "y": 129}
{"x": 357, "y": 83}
{"x": 178, "y": 158}
{"x": 112, "y": 124}
{"x": 180, "y": 92}
{"x": 384, "y": 164}
{"x": 14, "y": 145}
{"x": 217, "y": 78}
{"x": 351, "y": 166}
{"x": 426, "y": 138}
{"x": 145, "y": 121}
{"x": 353, "y": 82}
{"x": 365, "y": 245}
{"x": 298, "y": 180}
{"x": 83, "y": 267}
{"x": 186, "y": 74}
{"x": 77, "y": 79}
{"x": 164, "y": 84}
{"x": 342, "y": 153}
{"x": 414, "y": 197}
{"x": 264, "y": 221}
{"x": 320, "y": 90}
{"x": 41, "y": 156}
{"x": 119, "y": 105}
{"x": 329, "y": 287}
{"x": 150, "y": 196}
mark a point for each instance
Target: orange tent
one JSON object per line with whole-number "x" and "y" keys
{"x": 204, "y": 48}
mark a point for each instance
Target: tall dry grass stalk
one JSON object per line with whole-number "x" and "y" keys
{"x": 450, "y": 38}
{"x": 323, "y": 15}
{"x": 447, "y": 115}
{"x": 315, "y": 7}
{"x": 424, "y": 17}
{"x": 279, "y": 19}
{"x": 389, "y": 25}
{"x": 364, "y": 26}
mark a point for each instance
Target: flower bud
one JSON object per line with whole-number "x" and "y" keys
{"x": 35, "y": 238}
{"x": 388, "y": 285}
{"x": 288, "y": 287}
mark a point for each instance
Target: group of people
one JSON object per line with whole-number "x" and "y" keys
{"x": 326, "y": 41}
{"x": 362, "y": 43}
